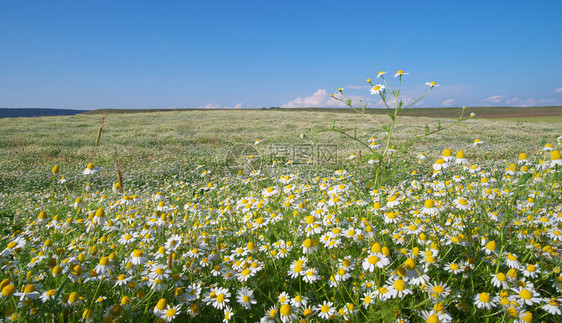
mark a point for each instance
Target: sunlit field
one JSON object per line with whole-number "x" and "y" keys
{"x": 238, "y": 216}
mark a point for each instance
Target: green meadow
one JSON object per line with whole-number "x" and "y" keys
{"x": 262, "y": 215}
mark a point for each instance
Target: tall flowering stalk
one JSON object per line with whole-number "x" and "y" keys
{"x": 394, "y": 109}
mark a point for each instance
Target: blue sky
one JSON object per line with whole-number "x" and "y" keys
{"x": 102, "y": 54}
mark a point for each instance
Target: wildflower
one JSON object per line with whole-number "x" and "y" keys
{"x": 271, "y": 315}
{"x": 297, "y": 267}
{"x": 245, "y": 297}
{"x": 137, "y": 257}
{"x": 447, "y": 155}
{"x": 228, "y": 313}
{"x": 8, "y": 290}
{"x": 122, "y": 280}
{"x": 171, "y": 313}
{"x": 48, "y": 295}
{"x": 29, "y": 292}
{"x": 398, "y": 288}
{"x": 368, "y": 299}
{"x": 429, "y": 208}
{"x": 454, "y": 268}
{"x": 531, "y": 271}
{"x": 311, "y": 275}
{"x": 78, "y": 202}
{"x": 42, "y": 218}
{"x": 528, "y": 295}
{"x": 462, "y": 204}
{"x": 477, "y": 142}
{"x": 436, "y": 315}
{"x": 159, "y": 272}
{"x": 490, "y": 247}
{"x": 325, "y": 310}
{"x": 400, "y": 73}
{"x": 99, "y": 217}
{"x": 555, "y": 158}
{"x": 287, "y": 313}
{"x": 299, "y": 301}
{"x": 221, "y": 298}
{"x": 483, "y": 300}
{"x": 245, "y": 274}
{"x": 460, "y": 158}
{"x": 438, "y": 290}
{"x": 74, "y": 299}
{"x": 440, "y": 164}
{"x": 553, "y": 306}
{"x": 511, "y": 169}
{"x": 431, "y": 84}
{"x": 87, "y": 315}
{"x": 161, "y": 308}
{"x": 379, "y": 74}
{"x": 511, "y": 261}
{"x": 90, "y": 169}
{"x": 126, "y": 239}
{"x": 103, "y": 267}
{"x": 375, "y": 260}
{"x": 377, "y": 89}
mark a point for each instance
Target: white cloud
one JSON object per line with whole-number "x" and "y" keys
{"x": 558, "y": 90}
{"x": 496, "y": 99}
{"x": 533, "y": 103}
{"x": 502, "y": 99}
{"x": 320, "y": 99}
{"x": 448, "y": 102}
{"x": 210, "y": 106}
{"x": 238, "y": 105}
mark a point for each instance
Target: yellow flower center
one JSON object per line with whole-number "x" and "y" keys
{"x": 501, "y": 277}
{"x": 429, "y": 204}
{"x": 285, "y": 310}
{"x": 410, "y": 264}
{"x": 171, "y": 312}
{"x": 29, "y": 289}
{"x": 525, "y": 294}
{"x": 73, "y": 298}
{"x": 433, "y": 319}
{"x": 399, "y": 285}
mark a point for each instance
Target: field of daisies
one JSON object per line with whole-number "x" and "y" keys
{"x": 454, "y": 238}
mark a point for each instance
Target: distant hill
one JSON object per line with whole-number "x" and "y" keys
{"x": 32, "y": 112}
{"x": 481, "y": 112}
